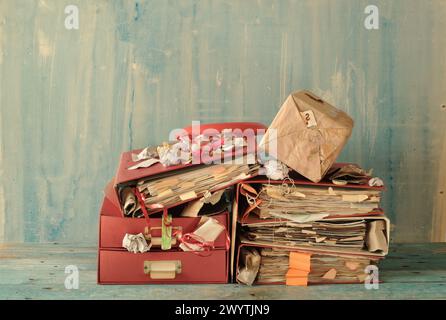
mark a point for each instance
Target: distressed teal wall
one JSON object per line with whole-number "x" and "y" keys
{"x": 71, "y": 101}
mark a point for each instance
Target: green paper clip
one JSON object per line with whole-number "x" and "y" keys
{"x": 166, "y": 232}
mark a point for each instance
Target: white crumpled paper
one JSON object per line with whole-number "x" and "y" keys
{"x": 146, "y": 153}
{"x": 376, "y": 182}
{"x": 135, "y": 243}
{"x": 175, "y": 154}
{"x": 275, "y": 169}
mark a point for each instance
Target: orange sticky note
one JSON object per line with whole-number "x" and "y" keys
{"x": 300, "y": 261}
{"x": 296, "y": 273}
{"x": 297, "y": 281}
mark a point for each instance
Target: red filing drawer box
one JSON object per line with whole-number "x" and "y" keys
{"x": 118, "y": 266}
{"x": 122, "y": 267}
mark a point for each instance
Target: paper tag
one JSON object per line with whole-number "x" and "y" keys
{"x": 309, "y": 118}
{"x": 330, "y": 274}
{"x": 188, "y": 195}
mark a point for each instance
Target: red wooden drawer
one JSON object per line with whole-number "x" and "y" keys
{"x": 122, "y": 267}
{"x": 113, "y": 229}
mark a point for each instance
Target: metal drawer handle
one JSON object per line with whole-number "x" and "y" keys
{"x": 164, "y": 269}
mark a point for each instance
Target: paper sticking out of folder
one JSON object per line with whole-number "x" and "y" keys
{"x": 293, "y": 268}
{"x": 250, "y": 260}
{"x": 186, "y": 185}
{"x": 208, "y": 230}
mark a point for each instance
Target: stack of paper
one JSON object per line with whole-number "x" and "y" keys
{"x": 367, "y": 235}
{"x": 311, "y": 232}
{"x": 186, "y": 185}
{"x": 297, "y": 202}
{"x": 275, "y": 268}
{"x": 342, "y": 233}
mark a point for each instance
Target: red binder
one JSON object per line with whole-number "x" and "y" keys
{"x": 125, "y": 177}
{"x": 241, "y": 213}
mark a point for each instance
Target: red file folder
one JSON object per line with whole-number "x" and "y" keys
{"x": 242, "y": 215}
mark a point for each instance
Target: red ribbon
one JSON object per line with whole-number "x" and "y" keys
{"x": 151, "y": 206}
{"x": 189, "y": 239}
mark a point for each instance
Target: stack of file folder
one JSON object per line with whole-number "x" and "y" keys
{"x": 305, "y": 221}
{"x": 337, "y": 230}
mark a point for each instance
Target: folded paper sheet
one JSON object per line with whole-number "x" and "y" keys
{"x": 193, "y": 208}
{"x": 350, "y": 173}
{"x": 146, "y": 153}
{"x": 251, "y": 264}
{"x": 131, "y": 206}
{"x": 376, "y": 237}
{"x": 310, "y": 134}
{"x": 144, "y": 164}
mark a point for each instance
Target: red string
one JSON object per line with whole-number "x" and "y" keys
{"x": 189, "y": 239}
{"x": 143, "y": 206}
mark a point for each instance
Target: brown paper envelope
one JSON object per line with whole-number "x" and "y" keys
{"x": 310, "y": 150}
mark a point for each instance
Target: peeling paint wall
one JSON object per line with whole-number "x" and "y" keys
{"x": 72, "y": 100}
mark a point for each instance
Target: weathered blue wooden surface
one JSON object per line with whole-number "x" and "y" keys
{"x": 37, "y": 271}
{"x": 72, "y": 100}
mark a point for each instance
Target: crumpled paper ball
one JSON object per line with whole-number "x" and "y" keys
{"x": 136, "y": 243}
{"x": 376, "y": 182}
{"x": 275, "y": 169}
{"x": 177, "y": 153}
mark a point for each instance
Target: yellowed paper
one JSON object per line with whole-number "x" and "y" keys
{"x": 354, "y": 197}
{"x": 213, "y": 198}
{"x": 192, "y": 208}
{"x": 376, "y": 237}
{"x": 330, "y": 274}
{"x": 209, "y": 229}
{"x": 188, "y": 195}
{"x": 144, "y": 164}
{"x": 248, "y": 272}
{"x": 352, "y": 265}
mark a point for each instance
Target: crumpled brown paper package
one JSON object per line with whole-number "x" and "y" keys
{"x": 310, "y": 134}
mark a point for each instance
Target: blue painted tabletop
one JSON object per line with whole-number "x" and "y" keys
{"x": 37, "y": 271}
